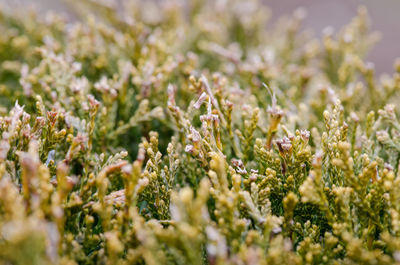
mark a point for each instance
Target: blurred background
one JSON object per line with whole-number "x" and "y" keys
{"x": 384, "y": 16}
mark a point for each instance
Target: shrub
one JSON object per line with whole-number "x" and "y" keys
{"x": 194, "y": 132}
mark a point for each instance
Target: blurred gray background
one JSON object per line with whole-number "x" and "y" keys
{"x": 384, "y": 14}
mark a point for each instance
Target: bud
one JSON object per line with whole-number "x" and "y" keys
{"x": 284, "y": 145}
{"x": 305, "y": 135}
{"x": 383, "y": 137}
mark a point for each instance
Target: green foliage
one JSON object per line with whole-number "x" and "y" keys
{"x": 193, "y": 132}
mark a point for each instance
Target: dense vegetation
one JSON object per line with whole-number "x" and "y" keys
{"x": 194, "y": 132}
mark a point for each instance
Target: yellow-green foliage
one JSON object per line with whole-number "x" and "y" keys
{"x": 194, "y": 132}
